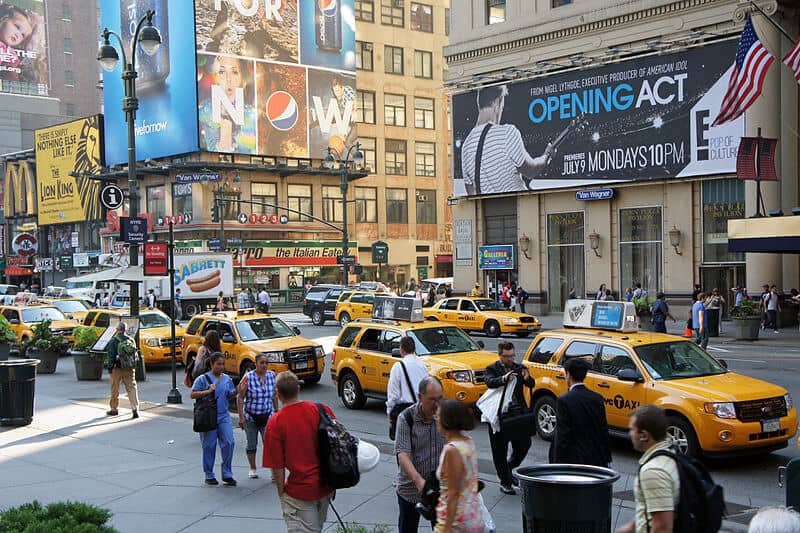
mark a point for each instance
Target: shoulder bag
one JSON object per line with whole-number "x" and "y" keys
{"x": 400, "y": 407}
{"x": 517, "y": 424}
{"x": 205, "y": 411}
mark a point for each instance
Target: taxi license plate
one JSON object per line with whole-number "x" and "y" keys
{"x": 768, "y": 426}
{"x": 301, "y": 365}
{"x": 530, "y": 328}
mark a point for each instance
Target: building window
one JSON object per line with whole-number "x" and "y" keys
{"x": 423, "y": 113}
{"x": 66, "y": 11}
{"x": 365, "y": 107}
{"x": 264, "y": 192}
{"x": 559, "y": 3}
{"x": 393, "y": 59}
{"x": 368, "y": 148}
{"x": 565, "y": 259}
{"x": 70, "y": 110}
{"x": 395, "y": 163}
{"x": 365, "y": 10}
{"x": 495, "y": 11}
{"x": 394, "y": 109}
{"x": 421, "y": 17}
{"x": 366, "y": 204}
{"x": 424, "y": 159}
{"x": 397, "y": 206}
{"x": 426, "y": 206}
{"x": 332, "y": 203}
{"x": 640, "y": 248}
{"x": 156, "y": 201}
{"x": 363, "y": 55}
{"x": 69, "y": 78}
{"x": 392, "y": 12}
{"x": 447, "y": 21}
{"x": 68, "y": 44}
{"x": 231, "y": 210}
{"x": 182, "y": 199}
{"x": 723, "y": 200}
{"x": 300, "y": 200}
{"x": 423, "y": 64}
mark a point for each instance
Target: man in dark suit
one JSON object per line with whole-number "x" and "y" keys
{"x": 581, "y": 428}
{"x": 497, "y": 375}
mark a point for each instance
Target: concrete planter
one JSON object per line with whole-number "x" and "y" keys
{"x": 87, "y": 366}
{"x": 47, "y": 360}
{"x": 747, "y": 328}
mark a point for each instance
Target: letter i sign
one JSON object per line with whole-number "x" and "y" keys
{"x": 112, "y": 197}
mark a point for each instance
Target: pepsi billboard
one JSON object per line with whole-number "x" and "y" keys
{"x": 275, "y": 77}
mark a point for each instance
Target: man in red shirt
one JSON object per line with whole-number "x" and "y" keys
{"x": 291, "y": 444}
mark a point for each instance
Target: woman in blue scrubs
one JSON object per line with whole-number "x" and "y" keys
{"x": 218, "y": 383}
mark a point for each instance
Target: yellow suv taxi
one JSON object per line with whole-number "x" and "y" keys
{"x": 353, "y": 305}
{"x": 246, "y": 333}
{"x": 155, "y": 332}
{"x": 482, "y": 314}
{"x": 22, "y": 319}
{"x": 366, "y": 350}
{"x": 711, "y": 410}
{"x": 74, "y": 308}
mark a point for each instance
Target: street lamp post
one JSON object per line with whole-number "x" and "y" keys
{"x": 345, "y": 165}
{"x": 149, "y": 38}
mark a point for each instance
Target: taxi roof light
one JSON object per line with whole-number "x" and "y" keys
{"x": 603, "y": 315}
{"x": 246, "y": 311}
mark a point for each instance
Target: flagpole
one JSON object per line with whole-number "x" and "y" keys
{"x": 759, "y": 200}
{"x": 780, "y": 29}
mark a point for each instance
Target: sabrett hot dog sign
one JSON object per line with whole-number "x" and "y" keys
{"x": 187, "y": 270}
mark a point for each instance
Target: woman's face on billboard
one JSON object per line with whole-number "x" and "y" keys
{"x": 229, "y": 75}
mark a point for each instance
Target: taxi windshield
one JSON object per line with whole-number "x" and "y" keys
{"x": 485, "y": 304}
{"x": 438, "y": 341}
{"x": 258, "y": 329}
{"x": 153, "y": 320}
{"x": 677, "y": 360}
{"x": 38, "y": 314}
{"x": 71, "y": 306}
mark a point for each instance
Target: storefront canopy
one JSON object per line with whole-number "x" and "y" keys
{"x": 121, "y": 274}
{"x": 765, "y": 235}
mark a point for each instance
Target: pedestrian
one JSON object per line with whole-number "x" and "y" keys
{"x": 739, "y": 295}
{"x": 178, "y": 305}
{"x": 291, "y": 443}
{"x": 242, "y": 301}
{"x": 220, "y": 306}
{"x": 251, "y": 298}
{"x": 763, "y": 301}
{"x": 497, "y": 375}
{"x": 628, "y": 295}
{"x": 696, "y": 292}
{"x": 513, "y": 294}
{"x": 418, "y": 448}
{"x": 106, "y": 300}
{"x": 638, "y": 292}
{"x": 522, "y": 296}
{"x": 218, "y": 383}
{"x": 657, "y": 488}
{"x": 505, "y": 296}
{"x": 121, "y": 365}
{"x": 476, "y": 290}
{"x": 609, "y": 295}
{"x": 98, "y": 299}
{"x": 573, "y": 294}
{"x": 404, "y": 378}
{"x": 700, "y": 321}
{"x": 458, "y": 509}
{"x": 256, "y": 403}
{"x": 448, "y": 291}
{"x": 661, "y": 313}
{"x": 772, "y": 303}
{"x": 431, "y": 297}
{"x": 151, "y": 299}
{"x": 264, "y": 301}
{"x": 581, "y": 427}
{"x": 211, "y": 344}
{"x": 775, "y": 520}
{"x": 601, "y": 292}
{"x": 714, "y": 303}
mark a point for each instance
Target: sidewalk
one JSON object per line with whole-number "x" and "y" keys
{"x": 148, "y": 471}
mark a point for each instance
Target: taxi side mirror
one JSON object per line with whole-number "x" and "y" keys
{"x": 630, "y": 374}
{"x": 481, "y": 344}
{"x": 228, "y": 338}
{"x": 14, "y": 321}
{"x": 396, "y": 352}
{"x": 296, "y": 330}
{"x": 723, "y": 362}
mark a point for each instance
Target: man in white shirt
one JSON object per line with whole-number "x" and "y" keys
{"x": 264, "y": 302}
{"x": 404, "y": 380}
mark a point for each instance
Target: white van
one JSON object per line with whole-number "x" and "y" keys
{"x": 87, "y": 289}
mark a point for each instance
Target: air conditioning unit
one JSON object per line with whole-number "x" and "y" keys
{"x": 422, "y": 198}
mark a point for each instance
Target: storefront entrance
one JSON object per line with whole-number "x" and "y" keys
{"x": 725, "y": 278}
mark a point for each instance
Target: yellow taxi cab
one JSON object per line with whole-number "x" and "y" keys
{"x": 711, "y": 410}
{"x": 366, "y": 350}
{"x": 155, "y": 332}
{"x": 245, "y": 333}
{"x": 353, "y": 305}
{"x": 22, "y": 319}
{"x": 74, "y": 308}
{"x": 482, "y": 314}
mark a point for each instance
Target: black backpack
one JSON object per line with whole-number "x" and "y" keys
{"x": 701, "y": 504}
{"x": 338, "y": 453}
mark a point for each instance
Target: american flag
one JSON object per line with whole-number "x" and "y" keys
{"x": 749, "y": 149}
{"x": 747, "y": 77}
{"x": 792, "y": 60}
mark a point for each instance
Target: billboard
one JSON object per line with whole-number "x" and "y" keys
{"x": 275, "y": 78}
{"x": 23, "y": 43}
{"x": 639, "y": 119}
{"x": 166, "y": 122}
{"x": 61, "y": 150}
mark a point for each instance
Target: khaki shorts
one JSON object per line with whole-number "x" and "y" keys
{"x": 302, "y": 516}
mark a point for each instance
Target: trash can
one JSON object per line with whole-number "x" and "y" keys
{"x": 713, "y": 322}
{"x": 17, "y": 381}
{"x": 559, "y": 498}
{"x": 140, "y": 374}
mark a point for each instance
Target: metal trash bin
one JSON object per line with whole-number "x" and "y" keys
{"x": 17, "y": 387}
{"x": 713, "y": 322}
{"x": 561, "y": 498}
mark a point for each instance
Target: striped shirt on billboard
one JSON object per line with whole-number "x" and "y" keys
{"x": 503, "y": 154}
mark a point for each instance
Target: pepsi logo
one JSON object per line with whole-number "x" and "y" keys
{"x": 282, "y": 110}
{"x": 328, "y": 7}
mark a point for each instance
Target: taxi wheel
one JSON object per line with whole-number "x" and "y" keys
{"x": 545, "y": 411}
{"x": 317, "y": 318}
{"x": 344, "y": 319}
{"x": 247, "y": 366}
{"x": 351, "y": 393}
{"x": 492, "y": 328}
{"x": 682, "y": 435}
{"x": 311, "y": 381}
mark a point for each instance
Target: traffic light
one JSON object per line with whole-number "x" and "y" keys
{"x": 215, "y": 212}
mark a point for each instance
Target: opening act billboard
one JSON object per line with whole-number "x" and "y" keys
{"x": 23, "y": 43}
{"x": 275, "y": 77}
{"x": 639, "y": 119}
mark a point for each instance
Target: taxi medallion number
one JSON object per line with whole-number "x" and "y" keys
{"x": 300, "y": 365}
{"x": 771, "y": 425}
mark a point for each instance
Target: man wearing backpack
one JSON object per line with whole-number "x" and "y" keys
{"x": 121, "y": 364}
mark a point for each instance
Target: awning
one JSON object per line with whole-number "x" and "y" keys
{"x": 120, "y": 274}
{"x": 19, "y": 271}
{"x": 775, "y": 235}
{"x": 444, "y": 259}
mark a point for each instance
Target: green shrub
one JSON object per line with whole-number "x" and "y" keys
{"x": 7, "y": 335}
{"x": 60, "y": 517}
{"x": 746, "y": 309}
{"x": 358, "y": 528}
{"x": 44, "y": 339}
{"x": 85, "y": 337}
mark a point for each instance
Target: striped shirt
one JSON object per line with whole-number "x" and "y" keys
{"x": 503, "y": 154}
{"x": 424, "y": 443}
{"x": 658, "y": 485}
{"x": 259, "y": 394}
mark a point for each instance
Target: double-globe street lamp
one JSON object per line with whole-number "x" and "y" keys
{"x": 351, "y": 161}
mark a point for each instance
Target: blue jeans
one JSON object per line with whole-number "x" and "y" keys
{"x": 224, "y": 436}
{"x": 701, "y": 338}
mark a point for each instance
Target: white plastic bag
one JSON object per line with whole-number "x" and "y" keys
{"x": 488, "y": 521}
{"x": 490, "y": 400}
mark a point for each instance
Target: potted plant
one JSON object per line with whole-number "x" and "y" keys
{"x": 7, "y": 337}
{"x": 46, "y": 347}
{"x": 644, "y": 310}
{"x": 746, "y": 320}
{"x": 88, "y": 365}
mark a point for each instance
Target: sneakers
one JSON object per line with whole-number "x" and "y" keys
{"x": 135, "y": 415}
{"x": 507, "y": 489}
{"x": 229, "y": 481}
{"x": 253, "y": 474}
{"x": 112, "y": 412}
{"x": 514, "y": 482}
{"x": 212, "y": 481}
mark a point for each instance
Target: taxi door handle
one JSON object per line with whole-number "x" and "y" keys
{"x": 384, "y": 362}
{"x": 560, "y": 376}
{"x": 604, "y": 385}
{"x": 356, "y": 357}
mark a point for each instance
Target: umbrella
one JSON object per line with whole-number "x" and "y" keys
{"x": 129, "y": 274}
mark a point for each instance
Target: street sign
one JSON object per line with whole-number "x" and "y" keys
{"x": 44, "y": 264}
{"x": 594, "y": 194}
{"x": 65, "y": 262}
{"x": 243, "y": 218}
{"x": 25, "y": 245}
{"x": 133, "y": 230}
{"x": 112, "y": 197}
{"x": 284, "y": 219}
{"x": 155, "y": 259}
{"x": 214, "y": 244}
{"x": 380, "y": 252}
{"x": 346, "y": 260}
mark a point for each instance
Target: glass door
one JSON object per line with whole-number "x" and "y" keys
{"x": 725, "y": 278}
